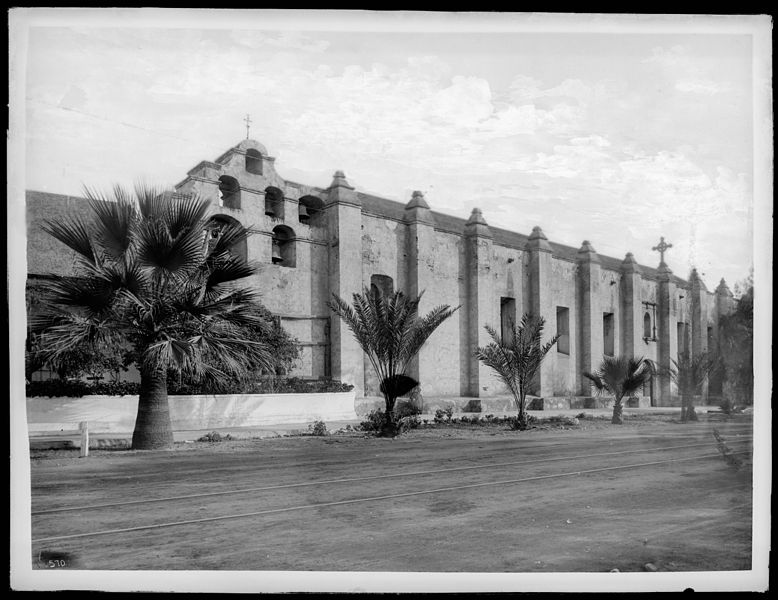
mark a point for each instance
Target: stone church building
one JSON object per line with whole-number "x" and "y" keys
{"x": 312, "y": 242}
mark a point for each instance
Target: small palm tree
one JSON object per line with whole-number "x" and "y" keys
{"x": 391, "y": 334}
{"x": 620, "y": 376}
{"x": 153, "y": 277}
{"x": 517, "y": 359}
{"x": 690, "y": 373}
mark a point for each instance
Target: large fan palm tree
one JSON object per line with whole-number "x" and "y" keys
{"x": 620, "y": 376}
{"x": 517, "y": 358}
{"x": 390, "y": 332}
{"x": 154, "y": 275}
{"x": 690, "y": 373}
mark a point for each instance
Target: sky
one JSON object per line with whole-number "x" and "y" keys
{"x": 612, "y": 130}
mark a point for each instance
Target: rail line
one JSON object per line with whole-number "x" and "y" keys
{"x": 372, "y": 498}
{"x": 360, "y": 479}
{"x": 504, "y": 447}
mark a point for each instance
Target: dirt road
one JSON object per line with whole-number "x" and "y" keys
{"x": 471, "y": 500}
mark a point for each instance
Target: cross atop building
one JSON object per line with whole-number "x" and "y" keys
{"x": 661, "y": 247}
{"x": 248, "y": 123}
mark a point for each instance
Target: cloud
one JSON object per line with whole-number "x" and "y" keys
{"x": 287, "y": 40}
{"x": 703, "y": 86}
{"x": 673, "y": 57}
{"x": 691, "y": 74}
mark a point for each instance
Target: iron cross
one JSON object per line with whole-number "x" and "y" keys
{"x": 661, "y": 247}
{"x": 248, "y": 123}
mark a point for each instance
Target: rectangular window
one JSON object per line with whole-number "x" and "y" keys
{"x": 607, "y": 334}
{"x": 681, "y": 338}
{"x": 563, "y": 329}
{"x": 507, "y": 317}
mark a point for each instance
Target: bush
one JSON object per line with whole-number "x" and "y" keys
{"x": 407, "y": 423}
{"x": 291, "y": 385}
{"x": 443, "y": 414}
{"x": 518, "y": 425}
{"x": 318, "y": 428}
{"x": 375, "y": 422}
{"x": 728, "y": 407}
{"x": 75, "y": 388}
{"x": 406, "y": 409}
{"x": 214, "y": 436}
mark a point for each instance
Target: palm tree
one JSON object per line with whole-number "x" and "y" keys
{"x": 690, "y": 373}
{"x": 620, "y": 376}
{"x": 517, "y": 359}
{"x": 390, "y": 332}
{"x": 152, "y": 274}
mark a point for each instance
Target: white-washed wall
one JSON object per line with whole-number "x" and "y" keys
{"x": 112, "y": 414}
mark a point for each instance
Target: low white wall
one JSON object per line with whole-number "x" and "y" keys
{"x": 116, "y": 414}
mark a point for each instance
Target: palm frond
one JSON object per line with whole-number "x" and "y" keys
{"x": 184, "y": 212}
{"x": 228, "y": 270}
{"x": 74, "y": 233}
{"x": 112, "y": 227}
{"x": 230, "y": 235}
{"x": 150, "y": 201}
{"x": 166, "y": 256}
{"x": 599, "y": 384}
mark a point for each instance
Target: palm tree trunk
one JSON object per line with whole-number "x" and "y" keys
{"x": 152, "y": 425}
{"x": 391, "y": 426}
{"x": 691, "y": 415}
{"x": 522, "y": 421}
{"x": 617, "y": 410}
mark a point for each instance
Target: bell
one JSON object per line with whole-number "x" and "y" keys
{"x": 304, "y": 216}
{"x": 276, "y": 253}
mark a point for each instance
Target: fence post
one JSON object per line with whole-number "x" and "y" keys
{"x": 83, "y": 426}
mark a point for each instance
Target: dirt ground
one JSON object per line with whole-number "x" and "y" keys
{"x": 652, "y": 494}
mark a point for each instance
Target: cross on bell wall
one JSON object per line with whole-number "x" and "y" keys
{"x": 662, "y": 247}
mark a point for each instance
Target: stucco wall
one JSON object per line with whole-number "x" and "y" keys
{"x": 443, "y": 350}
{"x": 111, "y": 414}
{"x": 564, "y": 375}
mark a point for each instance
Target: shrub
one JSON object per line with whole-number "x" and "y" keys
{"x": 75, "y": 388}
{"x": 375, "y": 422}
{"x": 318, "y": 428}
{"x": 515, "y": 423}
{"x": 406, "y": 410}
{"x": 728, "y": 407}
{"x": 443, "y": 414}
{"x": 408, "y": 422}
{"x": 214, "y": 436}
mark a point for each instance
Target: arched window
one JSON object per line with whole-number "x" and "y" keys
{"x": 253, "y": 161}
{"x": 283, "y": 247}
{"x": 229, "y": 192}
{"x": 213, "y": 232}
{"x": 310, "y": 210}
{"x": 383, "y": 284}
{"x": 647, "y": 326}
{"x": 274, "y": 202}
